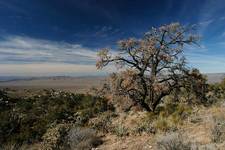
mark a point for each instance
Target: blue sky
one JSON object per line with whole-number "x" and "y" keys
{"x": 61, "y": 37}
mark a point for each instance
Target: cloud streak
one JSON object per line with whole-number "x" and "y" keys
{"x": 25, "y": 56}
{"x": 30, "y": 50}
{"x": 207, "y": 63}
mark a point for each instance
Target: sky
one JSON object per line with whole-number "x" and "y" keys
{"x": 61, "y": 37}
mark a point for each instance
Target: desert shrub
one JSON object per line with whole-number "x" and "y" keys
{"x": 55, "y": 136}
{"x": 11, "y": 146}
{"x": 213, "y": 97}
{"x": 181, "y": 112}
{"x": 218, "y": 130}
{"x": 4, "y": 101}
{"x": 216, "y": 94}
{"x": 195, "y": 118}
{"x": 122, "y": 103}
{"x": 173, "y": 141}
{"x": 152, "y": 123}
{"x": 26, "y": 120}
{"x": 195, "y": 88}
{"x": 170, "y": 116}
{"x": 120, "y": 130}
{"x": 144, "y": 127}
{"x": 210, "y": 146}
{"x": 103, "y": 122}
{"x": 217, "y": 90}
{"x": 166, "y": 118}
{"x": 9, "y": 121}
{"x": 164, "y": 124}
{"x": 180, "y": 109}
{"x": 82, "y": 139}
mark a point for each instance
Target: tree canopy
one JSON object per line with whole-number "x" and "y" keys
{"x": 150, "y": 67}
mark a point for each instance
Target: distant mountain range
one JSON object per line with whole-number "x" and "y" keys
{"x": 215, "y": 77}
{"x": 212, "y": 77}
{"x": 19, "y": 78}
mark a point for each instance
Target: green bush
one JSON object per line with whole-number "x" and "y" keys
{"x": 55, "y": 137}
{"x": 25, "y": 120}
{"x": 218, "y": 130}
{"x": 144, "y": 127}
{"x": 170, "y": 116}
{"x": 103, "y": 122}
{"x": 217, "y": 90}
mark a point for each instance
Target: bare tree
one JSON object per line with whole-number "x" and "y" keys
{"x": 152, "y": 67}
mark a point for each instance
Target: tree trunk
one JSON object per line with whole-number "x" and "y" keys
{"x": 145, "y": 106}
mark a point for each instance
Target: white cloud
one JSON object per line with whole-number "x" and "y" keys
{"x": 25, "y": 56}
{"x": 195, "y": 48}
{"x": 206, "y": 22}
{"x": 29, "y": 50}
{"x": 207, "y": 63}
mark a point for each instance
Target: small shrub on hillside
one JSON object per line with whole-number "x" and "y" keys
{"x": 172, "y": 108}
{"x": 210, "y": 146}
{"x": 218, "y": 131}
{"x": 163, "y": 124}
{"x": 217, "y": 90}
{"x": 181, "y": 112}
{"x": 82, "y": 139}
{"x": 173, "y": 141}
{"x": 144, "y": 127}
{"x": 103, "y": 122}
{"x": 121, "y": 131}
{"x": 196, "y": 119}
{"x": 212, "y": 98}
{"x": 170, "y": 116}
{"x": 9, "y": 146}
{"x": 55, "y": 136}
{"x": 4, "y": 100}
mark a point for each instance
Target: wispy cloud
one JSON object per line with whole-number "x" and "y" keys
{"x": 30, "y": 50}
{"x": 195, "y": 48}
{"x": 207, "y": 63}
{"x": 25, "y": 56}
{"x": 222, "y": 18}
{"x": 211, "y": 15}
{"x": 12, "y": 7}
{"x": 106, "y": 31}
{"x": 223, "y": 34}
{"x": 101, "y": 32}
{"x": 206, "y": 22}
